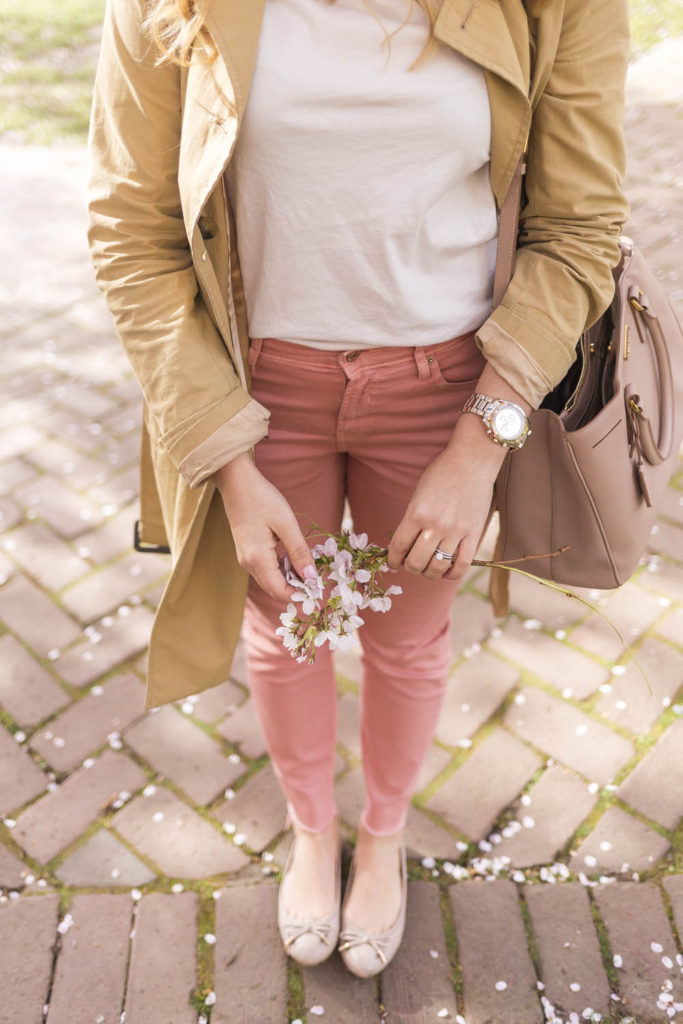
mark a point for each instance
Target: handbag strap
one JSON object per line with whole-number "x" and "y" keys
{"x": 508, "y": 224}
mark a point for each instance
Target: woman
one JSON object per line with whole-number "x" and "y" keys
{"x": 333, "y": 357}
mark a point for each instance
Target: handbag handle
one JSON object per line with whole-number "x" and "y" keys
{"x": 655, "y": 451}
{"x": 660, "y": 450}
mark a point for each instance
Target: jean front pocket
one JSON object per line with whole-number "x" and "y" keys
{"x": 457, "y": 363}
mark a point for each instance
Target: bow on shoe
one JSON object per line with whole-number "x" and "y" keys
{"x": 355, "y": 937}
{"x": 322, "y": 931}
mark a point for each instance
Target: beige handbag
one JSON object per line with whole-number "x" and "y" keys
{"x": 593, "y": 472}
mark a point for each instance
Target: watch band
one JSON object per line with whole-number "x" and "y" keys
{"x": 478, "y": 403}
{"x": 487, "y": 407}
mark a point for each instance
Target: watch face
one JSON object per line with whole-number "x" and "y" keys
{"x": 508, "y": 423}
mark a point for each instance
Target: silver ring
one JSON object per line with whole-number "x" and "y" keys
{"x": 443, "y": 555}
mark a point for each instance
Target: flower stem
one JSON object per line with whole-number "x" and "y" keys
{"x": 567, "y": 593}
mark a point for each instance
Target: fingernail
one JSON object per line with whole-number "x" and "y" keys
{"x": 310, "y": 572}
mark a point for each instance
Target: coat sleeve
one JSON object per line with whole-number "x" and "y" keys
{"x": 199, "y": 410}
{"x": 575, "y": 209}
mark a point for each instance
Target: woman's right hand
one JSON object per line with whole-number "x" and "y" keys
{"x": 259, "y": 516}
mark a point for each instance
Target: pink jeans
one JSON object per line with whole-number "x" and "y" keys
{"x": 363, "y": 425}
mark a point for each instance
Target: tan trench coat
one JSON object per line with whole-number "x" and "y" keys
{"x": 163, "y": 243}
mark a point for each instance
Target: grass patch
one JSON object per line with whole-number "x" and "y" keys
{"x": 48, "y": 54}
{"x": 653, "y": 21}
{"x": 37, "y": 27}
{"x": 49, "y": 48}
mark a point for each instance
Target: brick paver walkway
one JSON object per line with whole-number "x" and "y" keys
{"x": 139, "y": 852}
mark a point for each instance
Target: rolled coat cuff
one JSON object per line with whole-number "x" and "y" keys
{"x": 513, "y": 362}
{"x": 233, "y": 437}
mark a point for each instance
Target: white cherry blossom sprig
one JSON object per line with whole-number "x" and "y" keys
{"x": 355, "y": 567}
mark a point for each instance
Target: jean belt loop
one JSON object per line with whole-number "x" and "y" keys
{"x": 254, "y": 349}
{"x": 422, "y": 361}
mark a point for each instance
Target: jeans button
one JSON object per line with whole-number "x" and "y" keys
{"x": 350, "y": 356}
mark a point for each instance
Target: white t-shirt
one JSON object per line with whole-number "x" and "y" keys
{"x": 361, "y": 190}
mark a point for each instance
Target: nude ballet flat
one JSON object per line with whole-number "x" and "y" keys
{"x": 368, "y": 953}
{"x": 309, "y": 942}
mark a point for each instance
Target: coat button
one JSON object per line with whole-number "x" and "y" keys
{"x": 207, "y": 227}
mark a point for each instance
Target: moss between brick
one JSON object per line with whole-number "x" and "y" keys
{"x": 606, "y": 954}
{"x": 455, "y": 968}
{"x": 206, "y": 922}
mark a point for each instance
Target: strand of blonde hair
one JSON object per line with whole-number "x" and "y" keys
{"x": 430, "y": 8}
{"x": 178, "y": 28}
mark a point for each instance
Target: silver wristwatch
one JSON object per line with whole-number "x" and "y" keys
{"x": 505, "y": 422}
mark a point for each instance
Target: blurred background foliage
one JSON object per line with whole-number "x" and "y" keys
{"x": 48, "y": 53}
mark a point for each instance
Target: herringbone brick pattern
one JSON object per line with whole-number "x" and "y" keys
{"x": 139, "y": 850}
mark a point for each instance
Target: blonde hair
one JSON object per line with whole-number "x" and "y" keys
{"x": 177, "y": 27}
{"x": 179, "y": 30}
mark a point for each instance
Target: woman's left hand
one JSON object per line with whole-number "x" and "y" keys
{"x": 449, "y": 507}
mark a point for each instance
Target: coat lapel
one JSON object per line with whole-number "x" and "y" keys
{"x": 479, "y": 30}
{"x": 214, "y": 102}
{"x": 496, "y": 37}
{"x": 235, "y": 27}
